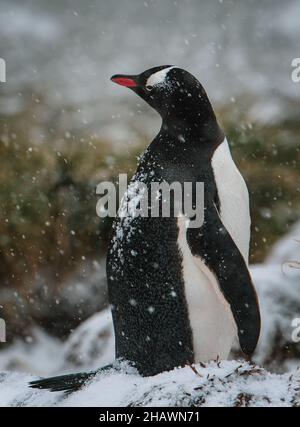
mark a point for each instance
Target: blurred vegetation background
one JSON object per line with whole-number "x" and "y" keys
{"x": 49, "y": 224}
{"x": 63, "y": 130}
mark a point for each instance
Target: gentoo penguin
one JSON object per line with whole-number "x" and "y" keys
{"x": 180, "y": 295}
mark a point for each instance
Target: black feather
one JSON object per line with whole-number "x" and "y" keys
{"x": 67, "y": 383}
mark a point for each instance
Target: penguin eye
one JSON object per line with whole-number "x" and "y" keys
{"x": 149, "y": 88}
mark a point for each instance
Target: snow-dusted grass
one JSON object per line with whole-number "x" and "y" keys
{"x": 230, "y": 383}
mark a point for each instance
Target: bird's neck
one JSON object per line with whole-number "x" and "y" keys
{"x": 195, "y": 118}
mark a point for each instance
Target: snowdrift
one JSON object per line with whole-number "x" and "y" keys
{"x": 230, "y": 383}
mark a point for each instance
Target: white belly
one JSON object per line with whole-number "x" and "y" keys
{"x": 234, "y": 198}
{"x": 211, "y": 320}
{"x": 212, "y": 323}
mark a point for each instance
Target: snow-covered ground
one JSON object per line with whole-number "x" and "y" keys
{"x": 228, "y": 383}
{"x": 92, "y": 345}
{"x": 278, "y": 285}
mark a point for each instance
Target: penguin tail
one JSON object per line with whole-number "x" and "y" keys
{"x": 66, "y": 383}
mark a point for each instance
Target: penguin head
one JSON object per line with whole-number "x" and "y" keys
{"x": 170, "y": 90}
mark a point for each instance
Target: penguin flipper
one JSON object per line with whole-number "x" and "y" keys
{"x": 67, "y": 383}
{"x": 214, "y": 245}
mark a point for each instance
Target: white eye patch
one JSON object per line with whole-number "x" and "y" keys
{"x": 159, "y": 77}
